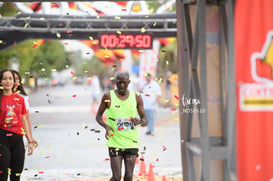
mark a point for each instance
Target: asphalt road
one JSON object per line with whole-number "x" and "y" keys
{"x": 72, "y": 145}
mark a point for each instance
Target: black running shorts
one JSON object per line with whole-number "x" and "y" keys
{"x": 122, "y": 152}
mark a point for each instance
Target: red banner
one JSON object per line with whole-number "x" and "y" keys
{"x": 254, "y": 86}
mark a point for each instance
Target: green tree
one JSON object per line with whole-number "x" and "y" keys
{"x": 22, "y": 51}
{"x": 7, "y": 9}
{"x": 52, "y": 52}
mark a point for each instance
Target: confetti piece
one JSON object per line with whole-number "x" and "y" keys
{"x": 173, "y": 109}
{"x": 160, "y": 80}
{"x": 143, "y": 29}
{"x": 58, "y": 35}
{"x": 107, "y": 159}
{"x": 114, "y": 67}
{"x": 74, "y": 95}
{"x": 123, "y": 9}
{"x": 90, "y": 38}
{"x": 111, "y": 135}
{"x": 14, "y": 43}
{"x": 148, "y": 95}
{"x": 40, "y": 172}
{"x": 175, "y": 96}
{"x": 9, "y": 134}
{"x": 34, "y": 46}
{"x": 68, "y": 31}
{"x": 164, "y": 148}
{"x": 112, "y": 78}
{"x": 66, "y": 43}
{"x": 157, "y": 160}
{"x": 72, "y": 73}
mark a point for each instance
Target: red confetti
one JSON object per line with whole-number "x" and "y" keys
{"x": 14, "y": 43}
{"x": 173, "y": 109}
{"x": 148, "y": 95}
{"x": 47, "y": 157}
{"x": 74, "y": 95}
{"x": 107, "y": 159}
{"x": 124, "y": 9}
{"x": 157, "y": 159}
{"x": 9, "y": 134}
{"x": 158, "y": 56}
{"x": 111, "y": 135}
{"x": 66, "y": 43}
{"x": 68, "y": 31}
{"x": 164, "y": 148}
{"x": 72, "y": 73}
{"x": 41, "y": 172}
{"x": 176, "y": 97}
{"x": 34, "y": 46}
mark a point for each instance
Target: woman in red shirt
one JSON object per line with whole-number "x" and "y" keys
{"x": 19, "y": 89}
{"x": 13, "y": 126}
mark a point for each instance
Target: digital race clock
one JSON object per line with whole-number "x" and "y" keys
{"x": 126, "y": 41}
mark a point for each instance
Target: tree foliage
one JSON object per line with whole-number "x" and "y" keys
{"x": 7, "y": 9}
{"x": 37, "y": 60}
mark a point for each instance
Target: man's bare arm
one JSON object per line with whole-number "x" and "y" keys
{"x": 140, "y": 109}
{"x": 105, "y": 102}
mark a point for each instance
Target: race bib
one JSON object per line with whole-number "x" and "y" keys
{"x": 124, "y": 124}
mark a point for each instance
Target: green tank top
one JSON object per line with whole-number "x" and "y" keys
{"x": 118, "y": 117}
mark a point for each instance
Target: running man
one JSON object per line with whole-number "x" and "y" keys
{"x": 121, "y": 107}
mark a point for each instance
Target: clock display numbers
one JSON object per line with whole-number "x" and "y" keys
{"x": 126, "y": 41}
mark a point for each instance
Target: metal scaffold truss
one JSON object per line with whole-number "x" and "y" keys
{"x": 206, "y": 154}
{"x": 25, "y": 26}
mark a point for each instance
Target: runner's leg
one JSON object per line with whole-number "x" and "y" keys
{"x": 129, "y": 161}
{"x": 17, "y": 159}
{"x": 4, "y": 162}
{"x": 116, "y": 163}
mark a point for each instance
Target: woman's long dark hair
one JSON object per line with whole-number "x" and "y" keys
{"x": 1, "y": 77}
{"x": 20, "y": 86}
